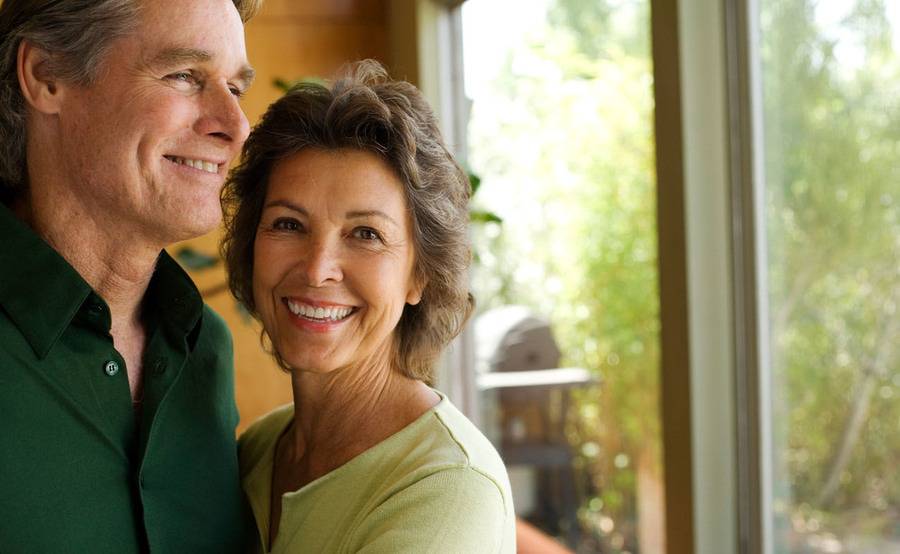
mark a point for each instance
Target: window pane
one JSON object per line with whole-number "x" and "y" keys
{"x": 831, "y": 109}
{"x": 561, "y": 137}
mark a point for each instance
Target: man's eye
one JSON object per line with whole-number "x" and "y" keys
{"x": 366, "y": 233}
{"x": 237, "y": 92}
{"x": 182, "y": 77}
{"x": 286, "y": 224}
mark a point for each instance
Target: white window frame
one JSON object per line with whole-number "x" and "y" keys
{"x": 731, "y": 425}
{"x": 720, "y": 274}
{"x": 432, "y": 60}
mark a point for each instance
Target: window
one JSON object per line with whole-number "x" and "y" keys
{"x": 829, "y": 151}
{"x": 561, "y": 140}
{"x": 793, "y": 281}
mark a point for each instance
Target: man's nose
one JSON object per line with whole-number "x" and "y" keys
{"x": 222, "y": 116}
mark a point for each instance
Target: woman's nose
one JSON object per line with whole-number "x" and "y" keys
{"x": 323, "y": 264}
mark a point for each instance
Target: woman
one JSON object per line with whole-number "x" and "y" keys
{"x": 346, "y": 237}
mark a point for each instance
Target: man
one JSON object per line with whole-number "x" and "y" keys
{"x": 118, "y": 122}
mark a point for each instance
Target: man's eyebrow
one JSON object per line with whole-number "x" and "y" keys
{"x": 171, "y": 57}
{"x": 180, "y": 55}
{"x": 246, "y": 76}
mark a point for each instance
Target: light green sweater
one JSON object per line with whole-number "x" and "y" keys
{"x": 437, "y": 486}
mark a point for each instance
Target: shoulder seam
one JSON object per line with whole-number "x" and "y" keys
{"x": 468, "y": 458}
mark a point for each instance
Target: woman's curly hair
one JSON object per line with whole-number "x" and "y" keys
{"x": 366, "y": 110}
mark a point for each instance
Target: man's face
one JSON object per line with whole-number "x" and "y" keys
{"x": 148, "y": 145}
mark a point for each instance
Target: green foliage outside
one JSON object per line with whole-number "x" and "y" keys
{"x": 568, "y": 163}
{"x": 832, "y": 136}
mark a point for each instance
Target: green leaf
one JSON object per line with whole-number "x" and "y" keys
{"x": 282, "y": 84}
{"x": 194, "y": 260}
{"x": 484, "y": 216}
{"x": 475, "y": 182}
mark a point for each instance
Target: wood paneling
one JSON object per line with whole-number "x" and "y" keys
{"x": 343, "y": 9}
{"x": 287, "y": 39}
{"x": 290, "y": 48}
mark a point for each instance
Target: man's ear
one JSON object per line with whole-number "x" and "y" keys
{"x": 39, "y": 88}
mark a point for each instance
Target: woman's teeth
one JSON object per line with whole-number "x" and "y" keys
{"x": 320, "y": 314}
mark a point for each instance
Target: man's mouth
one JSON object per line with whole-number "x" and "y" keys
{"x": 319, "y": 313}
{"x": 202, "y": 165}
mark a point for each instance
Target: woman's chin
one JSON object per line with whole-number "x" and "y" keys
{"x": 313, "y": 367}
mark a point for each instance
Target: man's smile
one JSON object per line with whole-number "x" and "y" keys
{"x": 202, "y": 165}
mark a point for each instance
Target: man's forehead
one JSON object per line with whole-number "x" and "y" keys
{"x": 196, "y": 29}
{"x": 173, "y": 33}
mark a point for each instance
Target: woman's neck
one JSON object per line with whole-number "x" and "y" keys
{"x": 339, "y": 415}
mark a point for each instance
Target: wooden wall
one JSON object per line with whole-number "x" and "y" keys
{"x": 289, "y": 39}
{"x": 310, "y": 38}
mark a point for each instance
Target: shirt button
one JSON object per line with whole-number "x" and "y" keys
{"x": 111, "y": 368}
{"x": 159, "y": 367}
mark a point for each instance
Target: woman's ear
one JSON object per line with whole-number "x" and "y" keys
{"x": 39, "y": 88}
{"x": 414, "y": 295}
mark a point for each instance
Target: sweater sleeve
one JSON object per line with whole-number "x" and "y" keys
{"x": 456, "y": 510}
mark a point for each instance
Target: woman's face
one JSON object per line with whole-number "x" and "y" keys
{"x": 333, "y": 259}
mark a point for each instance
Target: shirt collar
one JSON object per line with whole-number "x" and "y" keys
{"x": 42, "y": 293}
{"x": 39, "y": 290}
{"x": 173, "y": 299}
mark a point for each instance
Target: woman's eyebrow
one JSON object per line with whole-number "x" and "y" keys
{"x": 286, "y": 204}
{"x": 355, "y": 214}
{"x": 358, "y": 214}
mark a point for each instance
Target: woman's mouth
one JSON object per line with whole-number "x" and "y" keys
{"x": 318, "y": 314}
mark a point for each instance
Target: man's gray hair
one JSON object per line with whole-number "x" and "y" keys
{"x": 77, "y": 34}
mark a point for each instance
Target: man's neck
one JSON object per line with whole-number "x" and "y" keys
{"x": 115, "y": 263}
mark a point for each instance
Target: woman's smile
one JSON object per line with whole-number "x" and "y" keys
{"x": 316, "y": 316}
{"x": 333, "y": 267}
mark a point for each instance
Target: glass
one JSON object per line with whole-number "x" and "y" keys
{"x": 831, "y": 133}
{"x": 565, "y": 274}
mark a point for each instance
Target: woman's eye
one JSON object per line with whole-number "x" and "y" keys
{"x": 365, "y": 233}
{"x": 286, "y": 224}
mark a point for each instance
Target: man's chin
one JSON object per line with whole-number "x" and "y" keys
{"x": 189, "y": 226}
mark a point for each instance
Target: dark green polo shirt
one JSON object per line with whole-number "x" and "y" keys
{"x": 78, "y": 472}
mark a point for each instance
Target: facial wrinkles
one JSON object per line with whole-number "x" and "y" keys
{"x": 143, "y": 91}
{"x": 370, "y": 319}
{"x": 359, "y": 374}
{"x": 332, "y": 198}
{"x": 343, "y": 393}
